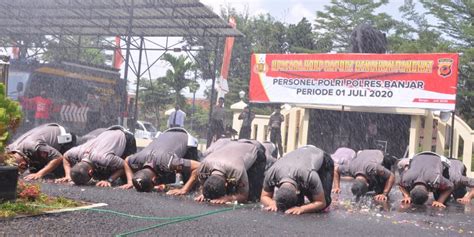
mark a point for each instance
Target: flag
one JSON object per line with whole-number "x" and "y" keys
{"x": 223, "y": 87}
{"x": 118, "y": 58}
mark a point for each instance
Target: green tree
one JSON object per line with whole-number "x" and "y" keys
{"x": 455, "y": 22}
{"x": 199, "y": 119}
{"x": 154, "y": 97}
{"x": 300, "y": 37}
{"x": 262, "y": 34}
{"x": 175, "y": 77}
{"x": 10, "y": 116}
{"x": 452, "y": 31}
{"x": 415, "y": 35}
{"x": 67, "y": 49}
{"x": 339, "y": 18}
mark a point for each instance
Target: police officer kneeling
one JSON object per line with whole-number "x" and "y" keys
{"x": 426, "y": 173}
{"x": 233, "y": 172}
{"x": 371, "y": 172}
{"x": 457, "y": 175}
{"x": 306, "y": 171}
{"x": 100, "y": 158}
{"x": 173, "y": 152}
{"x": 41, "y": 150}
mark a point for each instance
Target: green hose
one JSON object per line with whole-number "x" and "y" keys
{"x": 171, "y": 220}
{"x": 139, "y": 217}
{"x": 175, "y": 221}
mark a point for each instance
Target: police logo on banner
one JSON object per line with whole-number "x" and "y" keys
{"x": 445, "y": 67}
{"x": 260, "y": 66}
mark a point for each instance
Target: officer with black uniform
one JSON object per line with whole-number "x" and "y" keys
{"x": 100, "y": 158}
{"x": 173, "y": 152}
{"x": 304, "y": 172}
{"x": 41, "y": 150}
{"x": 371, "y": 171}
{"x": 457, "y": 175}
{"x": 234, "y": 172}
{"x": 427, "y": 172}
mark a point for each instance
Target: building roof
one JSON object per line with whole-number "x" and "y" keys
{"x": 148, "y": 18}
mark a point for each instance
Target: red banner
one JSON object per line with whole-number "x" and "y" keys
{"x": 223, "y": 86}
{"x": 118, "y": 57}
{"x": 386, "y": 80}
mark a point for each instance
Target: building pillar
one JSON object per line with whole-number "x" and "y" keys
{"x": 467, "y": 155}
{"x": 455, "y": 144}
{"x": 414, "y": 135}
{"x": 441, "y": 138}
{"x": 428, "y": 132}
{"x": 292, "y": 126}
{"x": 304, "y": 126}
{"x": 261, "y": 133}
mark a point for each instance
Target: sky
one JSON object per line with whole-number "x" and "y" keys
{"x": 286, "y": 11}
{"x": 289, "y": 11}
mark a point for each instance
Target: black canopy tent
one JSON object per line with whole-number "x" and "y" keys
{"x": 136, "y": 21}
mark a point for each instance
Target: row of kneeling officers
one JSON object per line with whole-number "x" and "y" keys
{"x": 235, "y": 170}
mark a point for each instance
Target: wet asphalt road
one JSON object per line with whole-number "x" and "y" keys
{"x": 346, "y": 218}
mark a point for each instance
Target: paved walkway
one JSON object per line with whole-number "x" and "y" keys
{"x": 344, "y": 219}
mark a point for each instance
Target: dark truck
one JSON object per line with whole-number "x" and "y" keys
{"x": 84, "y": 97}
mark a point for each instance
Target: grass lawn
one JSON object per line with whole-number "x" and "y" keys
{"x": 30, "y": 201}
{"x": 33, "y": 207}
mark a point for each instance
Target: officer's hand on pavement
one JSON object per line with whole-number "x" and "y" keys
{"x": 63, "y": 180}
{"x": 294, "y": 211}
{"x": 272, "y": 208}
{"x": 126, "y": 186}
{"x": 176, "y": 192}
{"x": 103, "y": 183}
{"x": 438, "y": 204}
{"x": 336, "y": 190}
{"x": 464, "y": 200}
{"x": 219, "y": 201}
{"x": 380, "y": 198}
{"x": 406, "y": 200}
{"x": 200, "y": 198}
{"x": 34, "y": 176}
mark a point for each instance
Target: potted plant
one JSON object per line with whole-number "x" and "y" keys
{"x": 10, "y": 115}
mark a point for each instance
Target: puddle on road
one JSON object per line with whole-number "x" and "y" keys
{"x": 455, "y": 217}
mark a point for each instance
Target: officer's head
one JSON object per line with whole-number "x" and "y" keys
{"x": 144, "y": 180}
{"x": 220, "y": 101}
{"x": 81, "y": 173}
{"x": 419, "y": 194}
{"x": 277, "y": 109}
{"x": 20, "y": 159}
{"x": 359, "y": 186}
{"x": 286, "y": 197}
{"x": 214, "y": 187}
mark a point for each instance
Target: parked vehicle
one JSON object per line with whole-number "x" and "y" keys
{"x": 84, "y": 97}
{"x": 145, "y": 130}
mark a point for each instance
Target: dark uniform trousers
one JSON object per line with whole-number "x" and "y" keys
{"x": 377, "y": 183}
{"x": 245, "y": 132}
{"x": 326, "y": 175}
{"x": 217, "y": 128}
{"x": 458, "y": 192}
{"x": 256, "y": 175}
{"x": 275, "y": 137}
